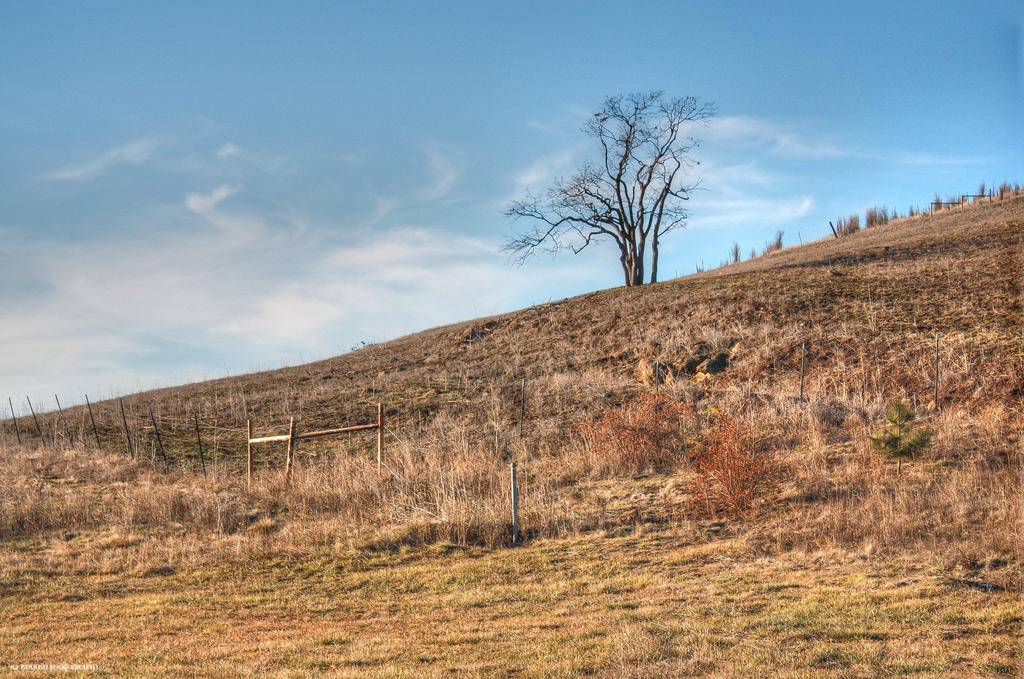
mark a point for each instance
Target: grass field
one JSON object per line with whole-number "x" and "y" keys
{"x": 634, "y": 562}
{"x": 647, "y": 603}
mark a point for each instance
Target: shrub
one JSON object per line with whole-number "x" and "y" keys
{"x": 847, "y": 226}
{"x": 898, "y": 441}
{"x": 646, "y": 433}
{"x": 775, "y": 244}
{"x": 876, "y": 216}
{"x": 732, "y": 472}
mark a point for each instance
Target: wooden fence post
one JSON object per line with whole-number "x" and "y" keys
{"x": 93, "y": 420}
{"x": 15, "y": 418}
{"x": 380, "y": 434}
{"x": 248, "y": 456}
{"x": 159, "y": 441}
{"x": 127, "y": 435}
{"x": 36, "y": 420}
{"x": 67, "y": 430}
{"x": 936, "y": 370}
{"x": 803, "y": 354}
{"x": 515, "y": 506}
{"x": 199, "y": 441}
{"x": 291, "y": 449}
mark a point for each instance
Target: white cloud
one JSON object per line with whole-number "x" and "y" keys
{"x": 756, "y": 211}
{"x": 423, "y": 277}
{"x": 545, "y": 169}
{"x": 443, "y": 171}
{"x": 239, "y": 227}
{"x": 539, "y": 175}
{"x": 794, "y": 145}
{"x": 133, "y": 153}
{"x": 738, "y": 178}
{"x": 382, "y": 208}
{"x": 228, "y": 150}
{"x": 206, "y": 204}
{"x": 777, "y": 139}
{"x": 736, "y": 132}
{"x": 928, "y": 159}
{"x": 546, "y": 128}
{"x": 141, "y": 311}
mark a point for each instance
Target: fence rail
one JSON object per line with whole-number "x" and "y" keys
{"x": 292, "y": 437}
{"x": 964, "y": 197}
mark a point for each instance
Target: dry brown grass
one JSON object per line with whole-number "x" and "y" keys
{"x": 955, "y": 501}
{"x": 648, "y": 603}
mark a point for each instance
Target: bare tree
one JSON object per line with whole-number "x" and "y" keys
{"x": 632, "y": 195}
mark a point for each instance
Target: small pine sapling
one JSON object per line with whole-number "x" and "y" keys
{"x": 898, "y": 441}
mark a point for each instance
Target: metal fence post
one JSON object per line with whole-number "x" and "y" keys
{"x": 15, "y": 418}
{"x": 159, "y": 441}
{"x": 199, "y": 440}
{"x": 36, "y": 420}
{"x": 93, "y": 420}
{"x": 127, "y": 435}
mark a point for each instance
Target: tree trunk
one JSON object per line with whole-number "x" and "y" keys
{"x": 654, "y": 259}
{"x": 632, "y": 267}
{"x": 626, "y": 273}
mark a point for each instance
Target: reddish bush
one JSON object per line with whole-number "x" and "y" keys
{"x": 648, "y": 432}
{"x": 732, "y": 474}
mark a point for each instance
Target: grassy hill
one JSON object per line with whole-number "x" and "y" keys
{"x": 641, "y": 407}
{"x": 850, "y": 299}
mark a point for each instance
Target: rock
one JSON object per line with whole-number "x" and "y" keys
{"x": 690, "y": 367}
{"x": 475, "y": 332}
{"x": 654, "y": 372}
{"x": 703, "y": 348}
{"x": 713, "y": 366}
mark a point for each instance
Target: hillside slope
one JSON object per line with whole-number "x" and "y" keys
{"x": 866, "y": 305}
{"x": 683, "y": 511}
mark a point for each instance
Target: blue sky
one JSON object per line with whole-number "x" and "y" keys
{"x": 189, "y": 190}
